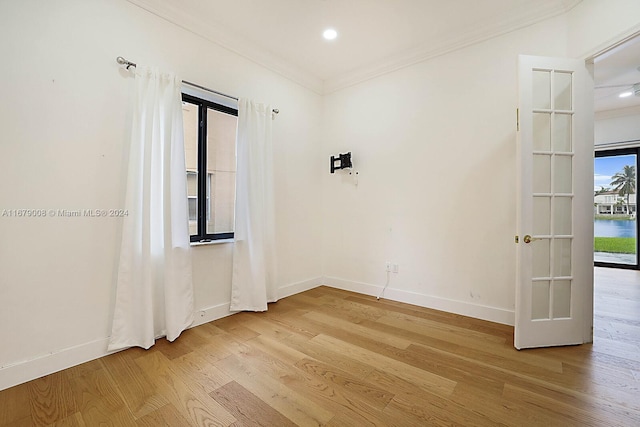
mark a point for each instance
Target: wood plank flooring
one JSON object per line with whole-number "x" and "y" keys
{"x": 328, "y": 357}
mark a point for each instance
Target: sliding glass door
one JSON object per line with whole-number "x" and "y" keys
{"x": 614, "y": 202}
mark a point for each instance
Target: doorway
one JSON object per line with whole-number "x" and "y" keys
{"x": 617, "y": 153}
{"x": 616, "y": 159}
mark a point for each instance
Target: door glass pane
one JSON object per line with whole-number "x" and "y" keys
{"x": 562, "y": 90}
{"x": 541, "y": 258}
{"x": 562, "y": 218}
{"x": 542, "y": 90}
{"x": 562, "y": 174}
{"x": 541, "y": 132}
{"x": 562, "y": 257}
{"x": 562, "y": 133}
{"x": 540, "y": 300}
{"x": 541, "y": 173}
{"x": 541, "y": 217}
{"x": 561, "y": 299}
{"x": 615, "y": 221}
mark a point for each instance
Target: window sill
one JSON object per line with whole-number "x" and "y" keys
{"x": 212, "y": 242}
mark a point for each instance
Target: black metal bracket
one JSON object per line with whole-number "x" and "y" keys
{"x": 343, "y": 162}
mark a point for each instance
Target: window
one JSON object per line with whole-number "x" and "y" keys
{"x": 210, "y": 152}
{"x": 615, "y": 225}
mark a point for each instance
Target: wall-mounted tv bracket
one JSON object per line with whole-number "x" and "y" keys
{"x": 343, "y": 162}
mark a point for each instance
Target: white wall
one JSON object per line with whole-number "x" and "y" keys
{"x": 435, "y": 146}
{"x": 64, "y": 115}
{"x": 617, "y": 126}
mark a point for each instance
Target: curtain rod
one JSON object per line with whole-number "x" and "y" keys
{"x": 128, "y": 64}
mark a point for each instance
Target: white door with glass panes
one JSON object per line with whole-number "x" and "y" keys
{"x": 554, "y": 289}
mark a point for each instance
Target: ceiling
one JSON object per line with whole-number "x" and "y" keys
{"x": 374, "y": 36}
{"x": 616, "y": 71}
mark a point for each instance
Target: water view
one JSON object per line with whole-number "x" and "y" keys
{"x": 614, "y": 228}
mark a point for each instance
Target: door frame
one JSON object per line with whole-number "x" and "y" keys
{"x": 603, "y": 49}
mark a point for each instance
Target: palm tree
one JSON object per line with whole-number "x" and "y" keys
{"x": 624, "y": 182}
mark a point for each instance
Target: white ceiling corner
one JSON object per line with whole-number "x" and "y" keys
{"x": 224, "y": 37}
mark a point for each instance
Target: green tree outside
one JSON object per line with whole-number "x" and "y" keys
{"x": 624, "y": 182}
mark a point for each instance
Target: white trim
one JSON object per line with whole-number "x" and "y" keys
{"x": 57, "y": 360}
{"x": 483, "y": 312}
{"x": 296, "y": 288}
{"x": 617, "y": 145}
{"x": 209, "y": 314}
{"x": 219, "y": 311}
{"x": 21, "y": 372}
{"x": 501, "y": 25}
{"x": 234, "y": 43}
{"x": 610, "y": 46}
{"x": 530, "y": 14}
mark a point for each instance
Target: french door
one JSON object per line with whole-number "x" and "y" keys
{"x": 554, "y": 290}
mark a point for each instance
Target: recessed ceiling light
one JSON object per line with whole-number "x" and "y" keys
{"x": 330, "y": 34}
{"x": 625, "y": 94}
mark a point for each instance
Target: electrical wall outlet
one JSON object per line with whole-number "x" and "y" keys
{"x": 388, "y": 266}
{"x": 395, "y": 268}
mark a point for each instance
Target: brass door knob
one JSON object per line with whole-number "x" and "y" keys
{"x": 528, "y": 239}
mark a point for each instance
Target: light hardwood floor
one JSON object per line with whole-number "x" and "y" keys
{"x": 336, "y": 358}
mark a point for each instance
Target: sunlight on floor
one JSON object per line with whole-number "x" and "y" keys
{"x": 617, "y": 312}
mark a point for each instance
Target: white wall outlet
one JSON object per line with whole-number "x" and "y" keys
{"x": 396, "y": 268}
{"x": 388, "y": 266}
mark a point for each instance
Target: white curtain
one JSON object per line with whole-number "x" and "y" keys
{"x": 253, "y": 281}
{"x": 154, "y": 295}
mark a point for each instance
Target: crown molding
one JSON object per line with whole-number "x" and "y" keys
{"x": 570, "y": 4}
{"x": 505, "y": 23}
{"x": 232, "y": 42}
{"x": 509, "y": 21}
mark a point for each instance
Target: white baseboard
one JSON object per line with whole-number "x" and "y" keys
{"x": 55, "y": 361}
{"x": 492, "y": 314}
{"x": 21, "y": 372}
{"x": 296, "y": 288}
{"x": 219, "y": 311}
{"x": 209, "y": 314}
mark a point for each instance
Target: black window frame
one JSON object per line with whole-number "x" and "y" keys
{"x": 635, "y": 151}
{"x": 201, "y": 218}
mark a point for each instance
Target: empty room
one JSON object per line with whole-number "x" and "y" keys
{"x": 319, "y": 212}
